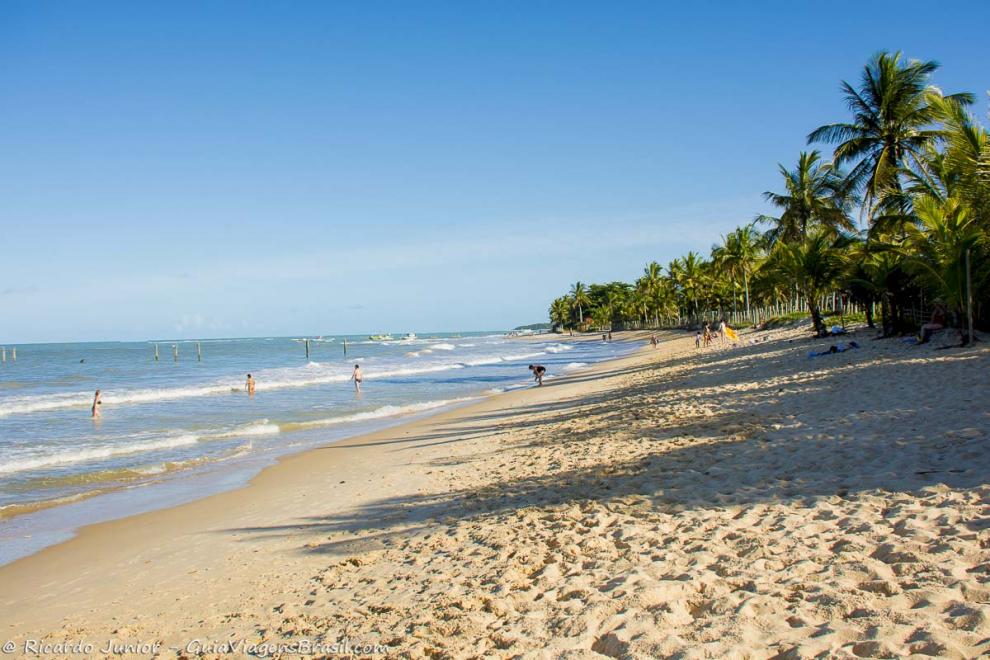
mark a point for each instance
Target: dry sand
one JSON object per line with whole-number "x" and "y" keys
{"x": 745, "y": 502}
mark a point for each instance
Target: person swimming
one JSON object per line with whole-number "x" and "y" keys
{"x": 538, "y": 372}
{"x": 97, "y": 402}
{"x": 250, "y": 385}
{"x": 356, "y": 377}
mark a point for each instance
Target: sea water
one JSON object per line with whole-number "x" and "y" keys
{"x": 175, "y": 429}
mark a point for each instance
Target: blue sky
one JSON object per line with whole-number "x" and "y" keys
{"x": 240, "y": 169}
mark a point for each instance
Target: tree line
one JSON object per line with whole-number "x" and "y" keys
{"x": 893, "y": 224}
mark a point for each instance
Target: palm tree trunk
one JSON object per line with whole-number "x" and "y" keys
{"x": 746, "y": 286}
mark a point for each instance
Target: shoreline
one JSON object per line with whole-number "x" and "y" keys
{"x": 34, "y": 526}
{"x": 240, "y": 478}
{"x": 749, "y": 500}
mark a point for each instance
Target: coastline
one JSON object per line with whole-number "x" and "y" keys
{"x": 263, "y": 490}
{"x": 28, "y": 527}
{"x": 748, "y": 501}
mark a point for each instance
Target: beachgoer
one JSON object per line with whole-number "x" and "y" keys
{"x": 538, "y": 372}
{"x": 250, "y": 385}
{"x": 604, "y": 338}
{"x": 653, "y": 340}
{"x": 697, "y": 339}
{"x": 721, "y": 331}
{"x": 836, "y": 348}
{"x": 936, "y": 323}
{"x": 356, "y": 377}
{"x": 707, "y": 334}
{"x": 610, "y": 335}
{"x": 97, "y": 402}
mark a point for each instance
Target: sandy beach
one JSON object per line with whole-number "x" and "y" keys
{"x": 741, "y": 502}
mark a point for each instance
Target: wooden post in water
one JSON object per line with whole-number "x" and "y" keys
{"x": 307, "y": 349}
{"x": 345, "y": 347}
{"x": 156, "y": 352}
{"x": 199, "y": 353}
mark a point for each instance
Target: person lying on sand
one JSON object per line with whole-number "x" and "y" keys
{"x": 840, "y": 348}
{"x": 538, "y": 371}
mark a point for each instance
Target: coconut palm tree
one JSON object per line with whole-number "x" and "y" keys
{"x": 579, "y": 298}
{"x": 560, "y": 312}
{"x": 738, "y": 256}
{"x": 687, "y": 276}
{"x": 892, "y": 124}
{"x": 650, "y": 283}
{"x": 814, "y": 265}
{"x": 814, "y": 196}
{"x": 966, "y": 158}
{"x": 936, "y": 249}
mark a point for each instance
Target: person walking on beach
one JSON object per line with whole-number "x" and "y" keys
{"x": 610, "y": 335}
{"x": 538, "y": 371}
{"x": 721, "y": 332}
{"x": 250, "y": 385}
{"x": 97, "y": 402}
{"x": 356, "y": 377}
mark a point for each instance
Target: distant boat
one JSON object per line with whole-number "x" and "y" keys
{"x": 380, "y": 337}
{"x": 409, "y": 336}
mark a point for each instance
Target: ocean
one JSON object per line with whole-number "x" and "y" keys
{"x": 180, "y": 428}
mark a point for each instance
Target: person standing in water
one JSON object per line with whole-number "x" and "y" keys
{"x": 97, "y": 402}
{"x": 538, "y": 371}
{"x": 356, "y": 377}
{"x": 250, "y": 385}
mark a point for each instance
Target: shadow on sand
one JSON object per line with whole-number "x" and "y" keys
{"x": 738, "y": 439}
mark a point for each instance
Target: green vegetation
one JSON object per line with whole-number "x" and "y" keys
{"x": 898, "y": 220}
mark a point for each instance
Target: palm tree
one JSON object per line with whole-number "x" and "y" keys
{"x": 738, "y": 256}
{"x": 686, "y": 273}
{"x": 560, "y": 312}
{"x": 892, "y": 124}
{"x": 579, "y": 297}
{"x": 814, "y": 265}
{"x": 651, "y": 282}
{"x": 966, "y": 158}
{"x": 815, "y": 196}
{"x": 937, "y": 246}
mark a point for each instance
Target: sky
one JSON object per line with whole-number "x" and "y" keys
{"x": 219, "y": 169}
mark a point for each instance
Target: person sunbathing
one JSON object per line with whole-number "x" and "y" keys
{"x": 936, "y": 323}
{"x": 835, "y": 348}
